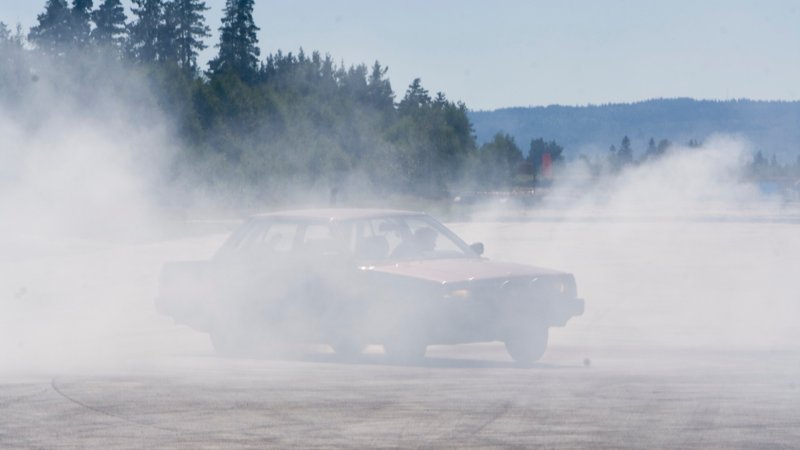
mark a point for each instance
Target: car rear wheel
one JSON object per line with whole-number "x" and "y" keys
{"x": 347, "y": 348}
{"x": 227, "y": 344}
{"x": 405, "y": 350}
{"x": 527, "y": 346}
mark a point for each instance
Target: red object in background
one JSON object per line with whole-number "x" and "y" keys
{"x": 547, "y": 166}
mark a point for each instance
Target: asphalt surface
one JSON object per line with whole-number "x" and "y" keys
{"x": 689, "y": 340}
{"x": 466, "y": 396}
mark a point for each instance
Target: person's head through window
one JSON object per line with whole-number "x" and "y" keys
{"x": 425, "y": 239}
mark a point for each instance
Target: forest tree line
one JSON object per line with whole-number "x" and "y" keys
{"x": 266, "y": 124}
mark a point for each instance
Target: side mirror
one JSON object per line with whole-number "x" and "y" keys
{"x": 477, "y": 248}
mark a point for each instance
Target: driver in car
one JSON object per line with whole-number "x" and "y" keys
{"x": 423, "y": 241}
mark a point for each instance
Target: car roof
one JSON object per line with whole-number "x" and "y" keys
{"x": 336, "y": 214}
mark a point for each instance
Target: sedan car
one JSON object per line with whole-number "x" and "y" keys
{"x": 354, "y": 277}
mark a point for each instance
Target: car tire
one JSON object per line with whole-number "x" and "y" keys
{"x": 231, "y": 344}
{"x": 347, "y": 348}
{"x": 405, "y": 351}
{"x": 225, "y": 344}
{"x": 527, "y": 346}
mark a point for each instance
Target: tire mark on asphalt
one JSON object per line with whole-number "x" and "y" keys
{"x": 501, "y": 411}
{"x": 180, "y": 431}
{"x": 58, "y": 391}
{"x": 470, "y": 430}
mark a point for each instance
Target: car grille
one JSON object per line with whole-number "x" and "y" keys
{"x": 523, "y": 289}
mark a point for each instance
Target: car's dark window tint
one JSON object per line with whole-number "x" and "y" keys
{"x": 369, "y": 242}
{"x": 262, "y": 235}
{"x": 406, "y": 237}
{"x": 421, "y": 238}
{"x": 279, "y": 237}
{"x": 382, "y": 238}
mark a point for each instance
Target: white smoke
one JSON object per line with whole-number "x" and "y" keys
{"x": 79, "y": 185}
{"x": 681, "y": 251}
{"x": 685, "y": 182}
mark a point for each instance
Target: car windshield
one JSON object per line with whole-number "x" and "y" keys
{"x": 402, "y": 237}
{"x": 406, "y": 237}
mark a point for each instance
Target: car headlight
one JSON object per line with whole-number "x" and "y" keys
{"x": 554, "y": 285}
{"x": 458, "y": 293}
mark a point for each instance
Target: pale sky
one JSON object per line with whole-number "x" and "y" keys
{"x": 493, "y": 54}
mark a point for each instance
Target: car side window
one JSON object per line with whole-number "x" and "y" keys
{"x": 388, "y": 229}
{"x": 422, "y": 239}
{"x": 273, "y": 237}
{"x": 326, "y": 239}
{"x": 368, "y": 242}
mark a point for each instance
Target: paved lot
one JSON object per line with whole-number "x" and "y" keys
{"x": 468, "y": 396}
{"x": 690, "y": 333}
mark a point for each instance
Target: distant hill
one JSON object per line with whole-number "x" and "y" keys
{"x": 771, "y": 126}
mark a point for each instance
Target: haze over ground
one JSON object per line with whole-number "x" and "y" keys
{"x": 85, "y": 167}
{"x": 690, "y": 334}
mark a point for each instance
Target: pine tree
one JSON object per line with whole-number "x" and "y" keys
{"x": 143, "y": 32}
{"x": 613, "y": 158}
{"x": 53, "y": 33}
{"x": 14, "y": 67}
{"x": 625, "y": 153}
{"x": 416, "y": 97}
{"x": 759, "y": 160}
{"x": 380, "y": 91}
{"x": 8, "y": 44}
{"x": 80, "y": 22}
{"x": 499, "y": 159}
{"x": 5, "y": 34}
{"x": 190, "y": 29}
{"x": 663, "y": 146}
{"x": 537, "y": 151}
{"x": 651, "y": 151}
{"x": 167, "y": 36}
{"x": 109, "y": 22}
{"x": 238, "y": 43}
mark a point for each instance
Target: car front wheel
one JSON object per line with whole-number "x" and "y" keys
{"x": 347, "y": 348}
{"x": 527, "y": 346}
{"x": 405, "y": 351}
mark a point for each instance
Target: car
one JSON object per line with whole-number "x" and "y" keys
{"x": 357, "y": 277}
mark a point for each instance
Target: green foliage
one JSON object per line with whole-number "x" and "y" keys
{"x": 109, "y": 25}
{"x": 656, "y": 151}
{"x": 14, "y": 69}
{"x": 80, "y": 22}
{"x": 499, "y": 161}
{"x": 622, "y": 157}
{"x": 143, "y": 32}
{"x": 189, "y": 30}
{"x": 625, "y": 153}
{"x": 167, "y": 35}
{"x": 433, "y": 140}
{"x": 238, "y": 44}
{"x": 53, "y": 33}
{"x": 263, "y": 128}
{"x": 767, "y": 124}
{"x": 9, "y": 41}
{"x": 538, "y": 148}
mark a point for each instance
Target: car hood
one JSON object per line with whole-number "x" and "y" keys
{"x": 460, "y": 269}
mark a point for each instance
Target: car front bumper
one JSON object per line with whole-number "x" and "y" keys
{"x": 562, "y": 309}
